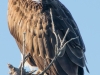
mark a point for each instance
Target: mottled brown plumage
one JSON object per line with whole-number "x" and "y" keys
{"x": 34, "y": 19}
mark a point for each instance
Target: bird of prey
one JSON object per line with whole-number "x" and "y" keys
{"x": 33, "y": 17}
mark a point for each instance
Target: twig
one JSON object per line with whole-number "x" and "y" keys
{"x": 23, "y": 53}
{"x": 48, "y": 66}
{"x": 62, "y": 42}
{"x": 53, "y": 28}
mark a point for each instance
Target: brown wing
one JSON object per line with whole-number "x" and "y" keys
{"x": 28, "y": 16}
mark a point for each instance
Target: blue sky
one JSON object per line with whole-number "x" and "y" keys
{"x": 87, "y": 16}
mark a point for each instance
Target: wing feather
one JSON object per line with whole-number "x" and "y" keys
{"x": 70, "y": 68}
{"x": 48, "y": 46}
{"x": 35, "y": 45}
{"x": 52, "y": 69}
{"x": 41, "y": 45}
{"x": 39, "y": 62}
{"x": 75, "y": 46}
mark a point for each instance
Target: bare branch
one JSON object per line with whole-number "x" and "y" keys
{"x": 23, "y": 54}
{"x": 53, "y": 28}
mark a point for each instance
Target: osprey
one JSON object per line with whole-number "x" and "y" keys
{"x": 33, "y": 17}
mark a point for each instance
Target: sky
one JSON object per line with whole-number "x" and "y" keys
{"x": 86, "y": 13}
